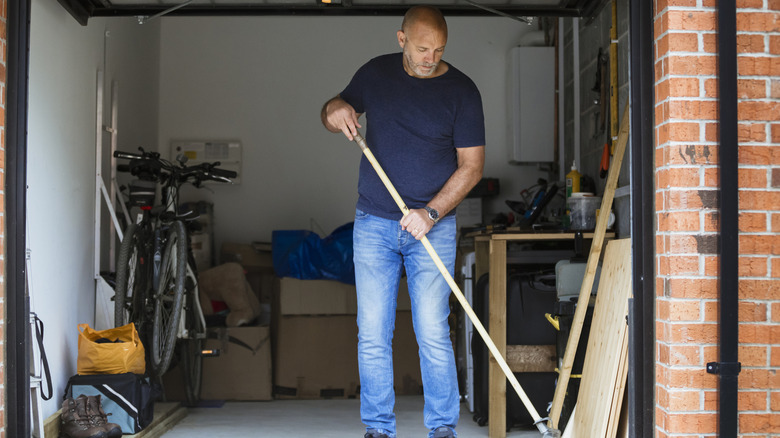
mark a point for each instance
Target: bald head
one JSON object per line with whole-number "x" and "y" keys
{"x": 427, "y": 16}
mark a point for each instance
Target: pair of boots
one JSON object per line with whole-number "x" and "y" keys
{"x": 83, "y": 417}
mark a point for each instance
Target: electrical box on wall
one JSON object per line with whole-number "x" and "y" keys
{"x": 532, "y": 105}
{"x": 227, "y": 152}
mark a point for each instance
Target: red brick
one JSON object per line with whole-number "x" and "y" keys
{"x": 682, "y": 265}
{"x": 683, "y": 87}
{"x": 759, "y": 155}
{"x": 774, "y": 44}
{"x": 685, "y": 310}
{"x": 679, "y": 221}
{"x": 711, "y": 175}
{"x": 759, "y": 423}
{"x": 684, "y": 401}
{"x": 752, "y": 132}
{"x": 776, "y": 312}
{"x": 692, "y": 378}
{"x": 752, "y": 266}
{"x": 712, "y": 222}
{"x": 711, "y": 267}
{"x": 692, "y": 20}
{"x": 710, "y": 88}
{"x": 750, "y": 43}
{"x": 693, "y": 423}
{"x": 693, "y": 333}
{"x": 684, "y": 131}
{"x": 774, "y": 403}
{"x": 752, "y": 222}
{"x": 709, "y": 43}
{"x": 759, "y": 244}
{"x": 774, "y": 89}
{"x": 759, "y": 289}
{"x": 751, "y": 333}
{"x": 753, "y": 356}
{"x": 682, "y": 42}
{"x": 751, "y": 311}
{"x": 683, "y": 177}
{"x": 711, "y": 132}
{"x": 692, "y": 154}
{"x": 758, "y": 200}
{"x": 758, "y": 22}
{"x": 758, "y": 110}
{"x": 702, "y": 288}
{"x": 693, "y": 109}
{"x": 751, "y": 400}
{"x": 752, "y": 178}
{"x": 775, "y": 263}
{"x": 755, "y": 65}
{"x": 751, "y": 88}
{"x": 775, "y": 222}
{"x": 703, "y": 65}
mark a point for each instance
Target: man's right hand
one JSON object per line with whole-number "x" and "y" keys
{"x": 339, "y": 116}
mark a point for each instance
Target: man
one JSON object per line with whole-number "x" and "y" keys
{"x": 427, "y": 132}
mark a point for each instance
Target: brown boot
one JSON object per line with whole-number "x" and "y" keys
{"x": 99, "y": 418}
{"x": 75, "y": 422}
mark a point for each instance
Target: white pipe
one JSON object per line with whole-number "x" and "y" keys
{"x": 576, "y": 75}
{"x": 561, "y": 104}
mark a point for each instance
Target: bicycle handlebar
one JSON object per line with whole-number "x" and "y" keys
{"x": 151, "y": 162}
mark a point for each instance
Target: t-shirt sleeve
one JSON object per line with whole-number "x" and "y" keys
{"x": 470, "y": 120}
{"x": 355, "y": 90}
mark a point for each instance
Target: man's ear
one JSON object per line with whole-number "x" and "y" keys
{"x": 401, "y": 38}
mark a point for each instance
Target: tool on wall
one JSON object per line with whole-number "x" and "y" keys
{"x": 539, "y": 422}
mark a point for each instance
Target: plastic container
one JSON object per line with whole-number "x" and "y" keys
{"x": 582, "y": 210}
{"x": 573, "y": 180}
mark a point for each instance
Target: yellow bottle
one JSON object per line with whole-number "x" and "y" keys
{"x": 572, "y": 180}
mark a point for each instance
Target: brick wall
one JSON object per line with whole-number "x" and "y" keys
{"x": 3, "y": 91}
{"x": 686, "y": 202}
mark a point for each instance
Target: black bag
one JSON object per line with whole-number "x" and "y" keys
{"x": 527, "y": 302}
{"x": 128, "y": 398}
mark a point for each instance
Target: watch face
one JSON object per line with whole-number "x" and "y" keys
{"x": 432, "y": 213}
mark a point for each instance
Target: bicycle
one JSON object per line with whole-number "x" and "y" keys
{"x": 156, "y": 278}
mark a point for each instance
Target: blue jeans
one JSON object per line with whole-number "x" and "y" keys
{"x": 381, "y": 251}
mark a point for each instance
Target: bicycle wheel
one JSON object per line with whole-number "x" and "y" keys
{"x": 130, "y": 280}
{"x": 191, "y": 347}
{"x": 169, "y": 298}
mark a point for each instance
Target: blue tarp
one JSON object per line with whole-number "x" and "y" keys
{"x": 304, "y": 255}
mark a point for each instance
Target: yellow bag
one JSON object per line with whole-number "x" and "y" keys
{"x": 126, "y": 356}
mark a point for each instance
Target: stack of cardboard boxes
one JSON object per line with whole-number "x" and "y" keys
{"x": 315, "y": 341}
{"x": 304, "y": 348}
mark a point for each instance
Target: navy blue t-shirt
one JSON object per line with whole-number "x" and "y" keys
{"x": 414, "y": 126}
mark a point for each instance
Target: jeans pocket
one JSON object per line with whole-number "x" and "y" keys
{"x": 360, "y": 214}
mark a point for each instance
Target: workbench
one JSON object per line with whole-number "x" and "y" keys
{"x": 491, "y": 258}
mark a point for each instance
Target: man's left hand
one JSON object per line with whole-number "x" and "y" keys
{"x": 417, "y": 223}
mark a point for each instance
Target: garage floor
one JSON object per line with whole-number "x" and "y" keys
{"x": 316, "y": 418}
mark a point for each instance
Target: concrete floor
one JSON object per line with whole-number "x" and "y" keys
{"x": 338, "y": 418}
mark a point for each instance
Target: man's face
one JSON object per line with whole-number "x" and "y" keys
{"x": 423, "y": 48}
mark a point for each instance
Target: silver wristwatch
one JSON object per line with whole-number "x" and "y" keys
{"x": 432, "y": 214}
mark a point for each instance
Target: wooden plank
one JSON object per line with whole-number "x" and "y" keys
{"x": 604, "y": 369}
{"x": 590, "y": 271}
{"x": 531, "y": 358}
{"x": 497, "y": 330}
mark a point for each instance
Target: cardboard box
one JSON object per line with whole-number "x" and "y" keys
{"x": 242, "y": 371}
{"x": 316, "y": 357}
{"x": 324, "y": 297}
{"x": 259, "y": 267}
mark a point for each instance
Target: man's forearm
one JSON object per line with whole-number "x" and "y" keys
{"x": 456, "y": 188}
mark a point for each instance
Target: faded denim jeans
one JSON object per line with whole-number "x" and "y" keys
{"x": 381, "y": 251}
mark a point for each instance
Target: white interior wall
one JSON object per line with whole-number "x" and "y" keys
{"x": 64, "y": 59}
{"x": 263, "y": 80}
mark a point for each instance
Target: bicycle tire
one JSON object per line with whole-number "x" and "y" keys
{"x": 190, "y": 349}
{"x": 130, "y": 280}
{"x": 169, "y": 298}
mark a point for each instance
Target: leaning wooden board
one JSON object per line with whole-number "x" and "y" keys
{"x": 605, "y": 368}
